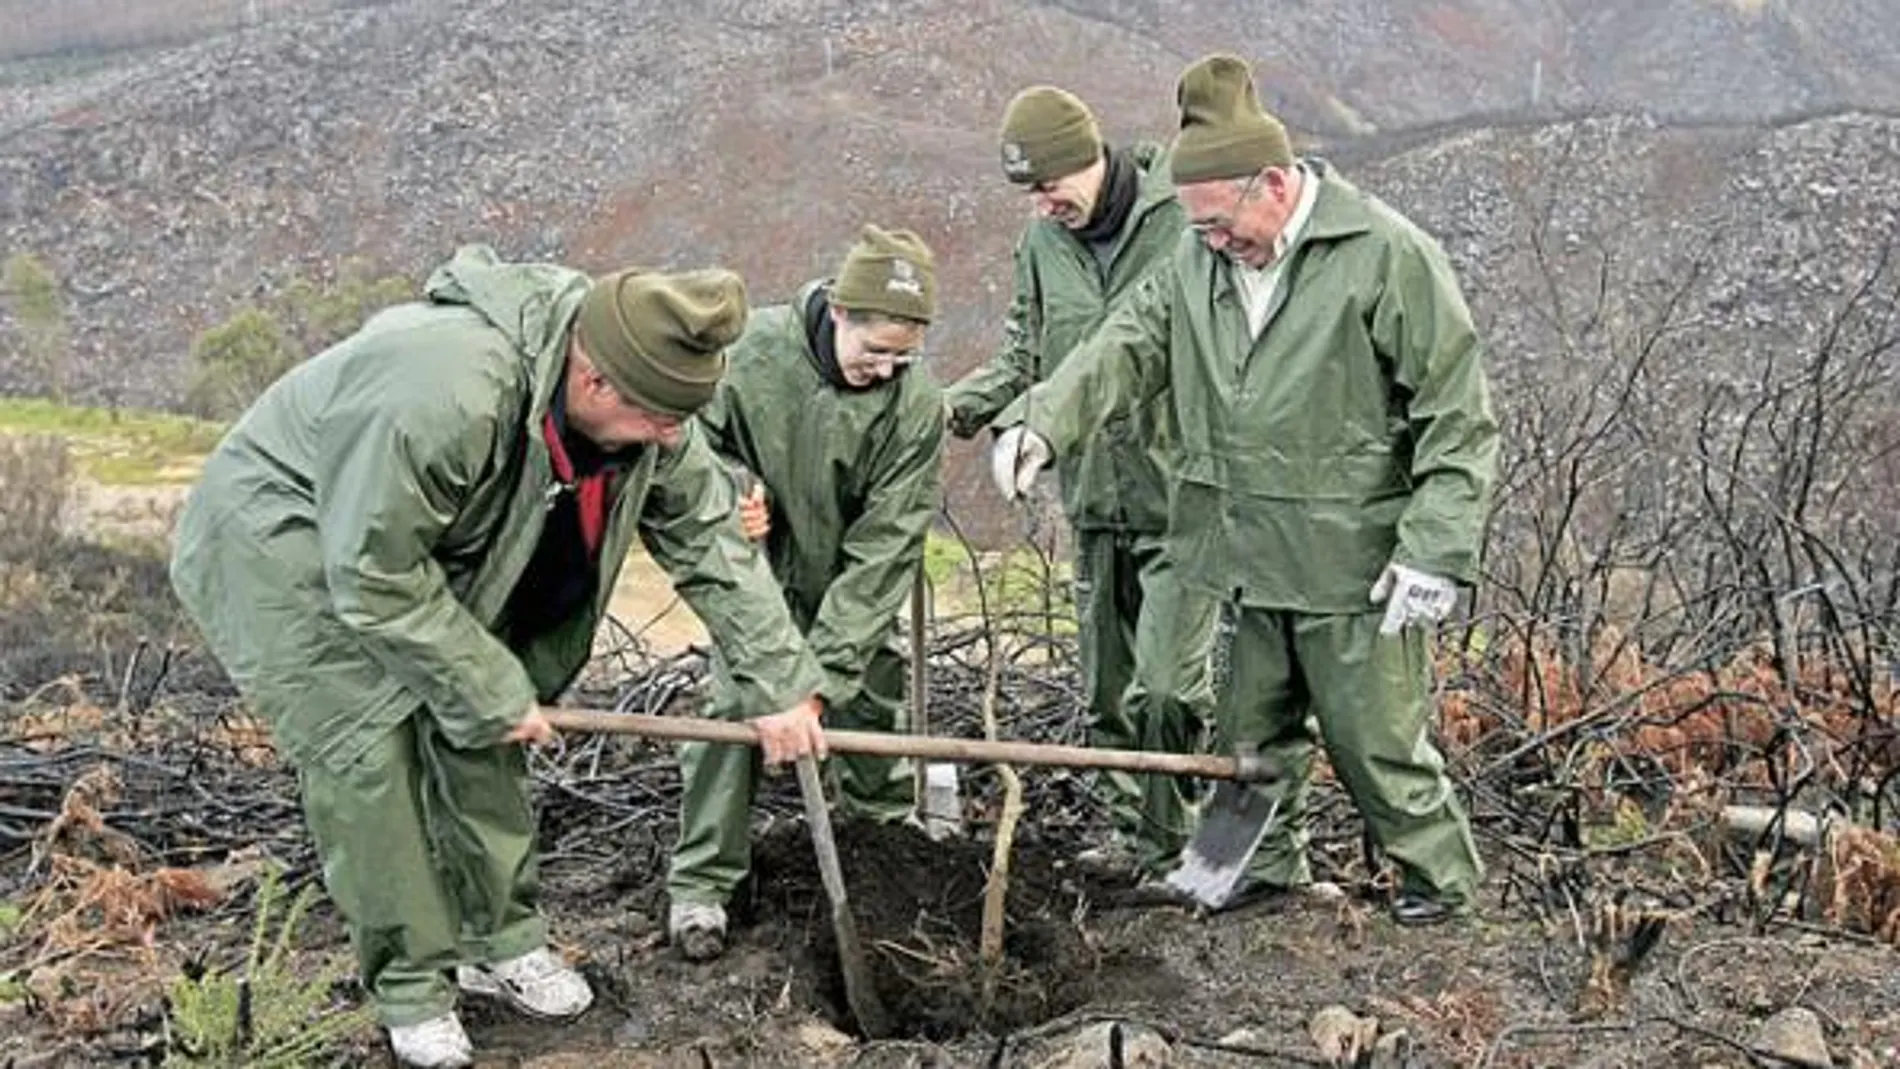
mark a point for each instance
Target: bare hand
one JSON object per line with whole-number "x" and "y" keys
{"x": 792, "y": 734}
{"x": 755, "y": 517}
{"x": 534, "y": 728}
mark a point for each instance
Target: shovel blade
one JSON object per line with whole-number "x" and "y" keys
{"x": 860, "y": 992}
{"x": 1231, "y": 827}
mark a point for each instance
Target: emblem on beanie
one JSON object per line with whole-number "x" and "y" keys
{"x": 1014, "y": 162}
{"x": 904, "y": 279}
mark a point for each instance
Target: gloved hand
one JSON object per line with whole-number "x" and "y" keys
{"x": 1019, "y": 453}
{"x": 1412, "y": 597}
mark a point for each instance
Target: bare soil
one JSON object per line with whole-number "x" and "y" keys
{"x": 1238, "y": 988}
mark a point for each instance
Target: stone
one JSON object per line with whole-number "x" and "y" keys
{"x": 1090, "y": 1048}
{"x": 822, "y": 1040}
{"x": 1794, "y": 1036}
{"x": 1342, "y": 1035}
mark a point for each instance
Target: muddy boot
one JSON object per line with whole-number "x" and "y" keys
{"x": 698, "y": 929}
{"x": 437, "y": 1043}
{"x": 537, "y": 984}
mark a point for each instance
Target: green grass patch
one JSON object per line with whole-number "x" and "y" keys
{"x": 117, "y": 447}
{"x": 943, "y": 556}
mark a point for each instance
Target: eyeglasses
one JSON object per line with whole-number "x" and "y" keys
{"x": 897, "y": 357}
{"x": 1224, "y": 222}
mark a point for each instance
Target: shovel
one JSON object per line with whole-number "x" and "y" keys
{"x": 859, "y": 992}
{"x": 1233, "y": 822}
{"x": 1246, "y": 768}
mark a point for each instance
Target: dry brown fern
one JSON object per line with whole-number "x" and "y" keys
{"x": 1859, "y": 882}
{"x": 1621, "y": 936}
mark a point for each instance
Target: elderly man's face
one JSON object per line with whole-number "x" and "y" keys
{"x": 1243, "y": 219}
{"x": 1070, "y": 200}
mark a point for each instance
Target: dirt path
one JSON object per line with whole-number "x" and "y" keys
{"x": 645, "y": 603}
{"x": 643, "y": 598}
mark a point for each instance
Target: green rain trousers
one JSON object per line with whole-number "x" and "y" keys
{"x": 714, "y": 852}
{"x": 1144, "y": 649}
{"x": 428, "y": 851}
{"x": 1369, "y": 698}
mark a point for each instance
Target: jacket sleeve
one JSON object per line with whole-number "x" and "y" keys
{"x": 978, "y": 397}
{"x": 724, "y": 431}
{"x": 1422, "y": 325}
{"x": 390, "y": 476}
{"x": 879, "y": 554}
{"x": 1122, "y": 365}
{"x": 689, "y": 526}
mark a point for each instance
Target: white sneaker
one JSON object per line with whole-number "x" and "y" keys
{"x": 437, "y": 1043}
{"x": 536, "y": 983}
{"x": 698, "y": 929}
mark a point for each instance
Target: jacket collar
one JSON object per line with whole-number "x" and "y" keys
{"x": 1339, "y": 210}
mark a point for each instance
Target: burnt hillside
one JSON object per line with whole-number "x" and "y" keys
{"x": 168, "y": 183}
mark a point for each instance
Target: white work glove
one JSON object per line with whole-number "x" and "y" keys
{"x": 1019, "y": 453}
{"x": 1412, "y": 597}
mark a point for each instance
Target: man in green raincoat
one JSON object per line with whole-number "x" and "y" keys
{"x": 1105, "y": 217}
{"x": 826, "y": 411}
{"x": 407, "y": 543}
{"x": 1336, "y": 458}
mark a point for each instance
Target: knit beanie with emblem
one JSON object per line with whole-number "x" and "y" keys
{"x": 1048, "y": 134}
{"x": 891, "y": 272}
{"x": 1225, "y": 133}
{"x": 659, "y": 338}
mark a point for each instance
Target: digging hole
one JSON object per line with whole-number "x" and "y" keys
{"x": 919, "y": 908}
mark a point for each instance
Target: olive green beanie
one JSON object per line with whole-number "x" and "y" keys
{"x": 1048, "y": 134}
{"x": 660, "y": 339}
{"x": 1225, "y": 133}
{"x": 890, "y": 272}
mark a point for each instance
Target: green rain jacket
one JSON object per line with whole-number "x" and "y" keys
{"x": 1355, "y": 431}
{"x": 852, "y": 479}
{"x": 376, "y": 506}
{"x": 1118, "y": 479}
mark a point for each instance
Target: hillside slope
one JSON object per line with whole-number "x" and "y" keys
{"x": 169, "y": 186}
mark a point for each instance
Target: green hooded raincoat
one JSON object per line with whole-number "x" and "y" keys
{"x": 852, "y": 479}
{"x": 348, "y": 556}
{"x": 1355, "y": 430}
{"x": 1143, "y": 643}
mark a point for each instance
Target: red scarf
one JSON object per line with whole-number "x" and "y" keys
{"x": 590, "y": 491}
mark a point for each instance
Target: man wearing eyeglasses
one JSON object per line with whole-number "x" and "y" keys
{"x": 839, "y": 432}
{"x": 1105, "y": 216}
{"x": 1337, "y": 454}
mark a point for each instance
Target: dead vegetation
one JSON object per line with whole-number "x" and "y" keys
{"x": 1689, "y": 606}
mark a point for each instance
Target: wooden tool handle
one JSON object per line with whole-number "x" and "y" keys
{"x": 930, "y": 748}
